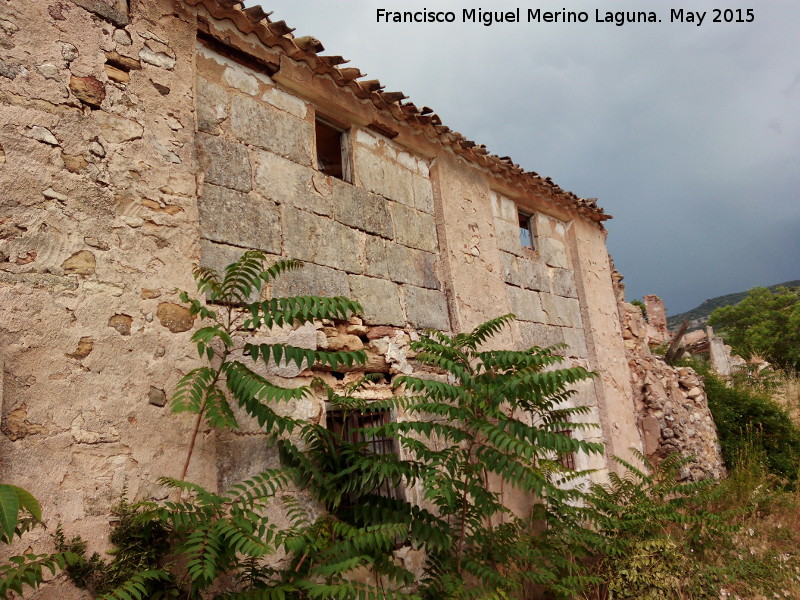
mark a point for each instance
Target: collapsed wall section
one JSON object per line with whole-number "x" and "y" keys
{"x": 671, "y": 404}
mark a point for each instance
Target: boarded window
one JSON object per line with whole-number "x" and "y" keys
{"x": 351, "y": 424}
{"x": 331, "y": 150}
{"x": 526, "y": 235}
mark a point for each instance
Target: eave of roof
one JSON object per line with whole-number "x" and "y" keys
{"x": 276, "y": 34}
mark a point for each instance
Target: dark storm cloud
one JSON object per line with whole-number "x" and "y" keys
{"x": 689, "y": 136}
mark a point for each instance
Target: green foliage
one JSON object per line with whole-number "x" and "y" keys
{"x": 19, "y": 512}
{"x": 702, "y": 312}
{"x": 765, "y": 323}
{"x": 218, "y": 535}
{"x": 500, "y": 417}
{"x": 140, "y": 550}
{"x": 207, "y": 391}
{"x": 746, "y": 417}
{"x": 651, "y": 532}
{"x": 28, "y": 570}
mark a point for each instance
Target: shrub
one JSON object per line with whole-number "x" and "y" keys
{"x": 19, "y": 512}
{"x": 766, "y": 322}
{"x": 746, "y": 416}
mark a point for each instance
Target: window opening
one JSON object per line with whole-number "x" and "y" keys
{"x": 331, "y": 150}
{"x": 351, "y": 424}
{"x": 526, "y": 237}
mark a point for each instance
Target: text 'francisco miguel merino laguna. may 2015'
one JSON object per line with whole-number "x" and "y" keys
{"x": 530, "y": 15}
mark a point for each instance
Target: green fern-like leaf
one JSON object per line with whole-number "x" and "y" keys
{"x": 138, "y": 587}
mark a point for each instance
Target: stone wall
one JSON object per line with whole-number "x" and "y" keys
{"x": 135, "y": 145}
{"x": 373, "y": 240}
{"x": 98, "y": 228}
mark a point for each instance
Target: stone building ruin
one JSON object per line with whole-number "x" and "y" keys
{"x": 141, "y": 138}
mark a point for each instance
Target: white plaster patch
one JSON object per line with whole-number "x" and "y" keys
{"x": 286, "y": 102}
{"x": 367, "y": 139}
{"x": 237, "y": 78}
{"x": 508, "y": 209}
{"x": 207, "y": 52}
{"x": 494, "y": 200}
{"x": 408, "y": 161}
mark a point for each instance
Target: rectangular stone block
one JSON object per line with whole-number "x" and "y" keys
{"x": 416, "y": 267}
{"x": 224, "y": 162}
{"x": 504, "y": 208}
{"x": 563, "y": 283}
{"x": 426, "y": 309}
{"x": 414, "y": 228}
{"x": 321, "y": 240}
{"x": 360, "y": 209}
{"x": 239, "y": 219}
{"x": 218, "y": 256}
{"x": 539, "y": 334}
{"x": 311, "y": 280}
{"x": 383, "y": 176}
{"x": 380, "y": 299}
{"x": 553, "y": 252}
{"x": 526, "y": 304}
{"x": 287, "y": 182}
{"x": 212, "y": 106}
{"x": 507, "y": 235}
{"x": 376, "y": 263}
{"x": 528, "y": 273}
{"x": 286, "y": 102}
{"x": 565, "y": 312}
{"x": 238, "y": 456}
{"x": 575, "y": 339}
{"x": 423, "y": 194}
{"x": 264, "y": 126}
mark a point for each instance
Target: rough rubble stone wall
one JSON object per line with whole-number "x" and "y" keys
{"x": 98, "y": 227}
{"x": 671, "y": 404}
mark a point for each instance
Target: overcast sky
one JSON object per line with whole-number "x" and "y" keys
{"x": 688, "y": 135}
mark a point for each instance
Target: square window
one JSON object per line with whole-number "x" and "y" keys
{"x": 331, "y": 150}
{"x": 526, "y": 235}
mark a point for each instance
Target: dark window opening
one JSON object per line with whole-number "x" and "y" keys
{"x": 526, "y": 237}
{"x": 350, "y": 426}
{"x": 331, "y": 150}
{"x": 567, "y": 459}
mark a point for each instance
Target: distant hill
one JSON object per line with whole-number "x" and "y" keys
{"x": 698, "y": 316}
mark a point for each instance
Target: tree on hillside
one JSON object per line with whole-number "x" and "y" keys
{"x": 766, "y": 322}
